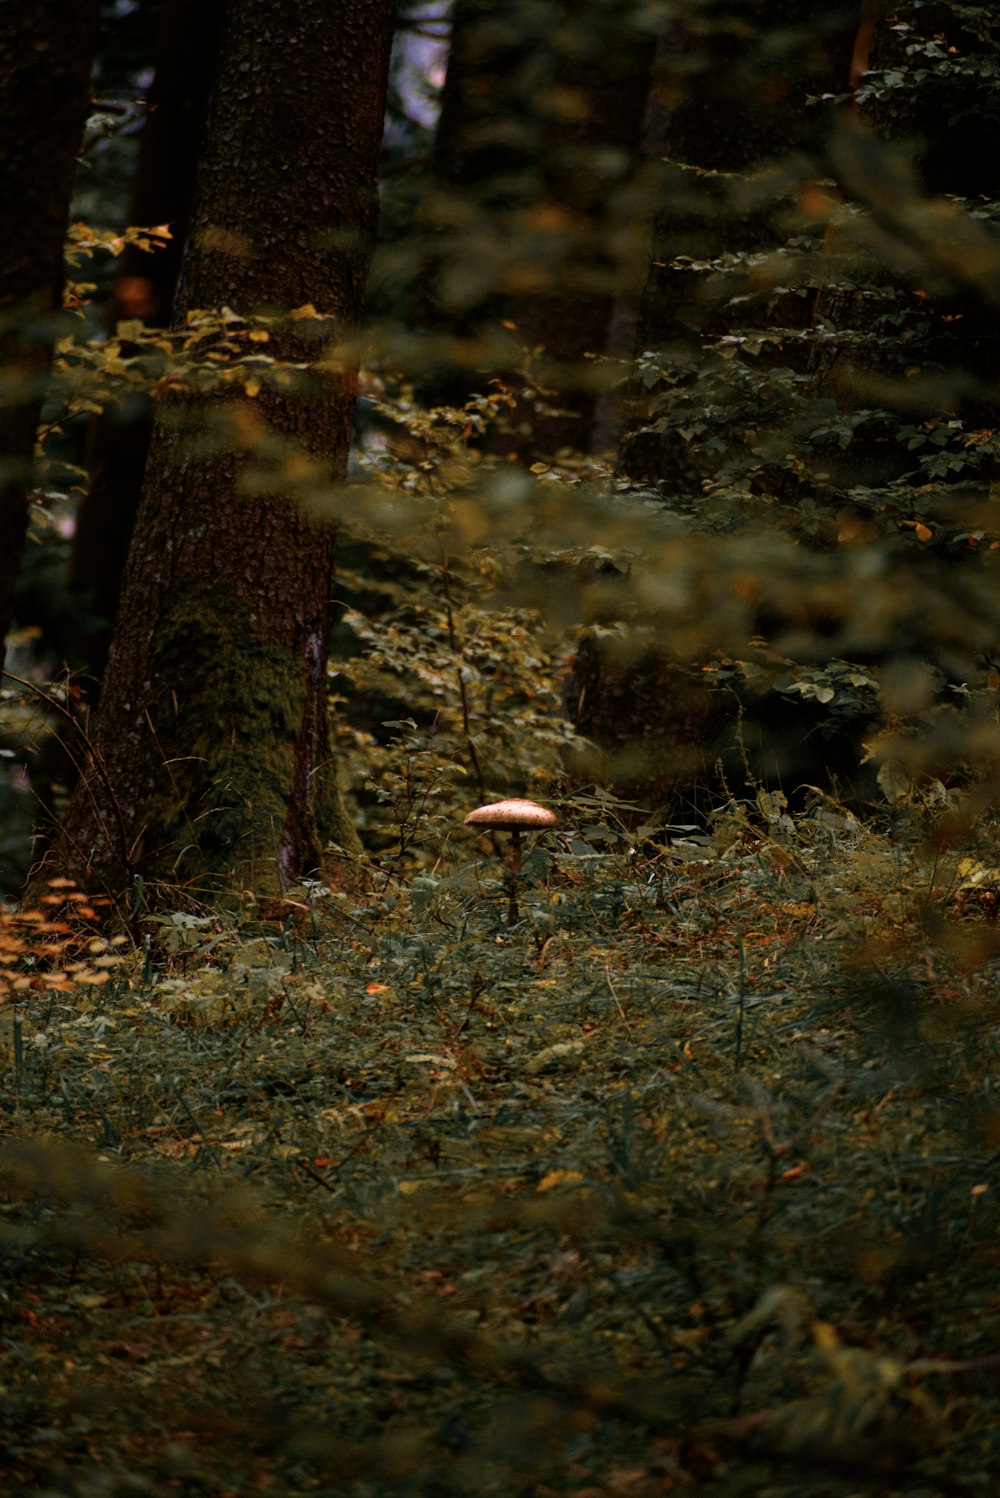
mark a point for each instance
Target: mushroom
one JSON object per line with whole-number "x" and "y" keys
{"x": 514, "y": 816}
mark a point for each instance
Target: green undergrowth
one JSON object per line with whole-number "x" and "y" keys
{"x": 683, "y": 1183}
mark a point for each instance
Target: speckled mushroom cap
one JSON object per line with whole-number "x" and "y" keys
{"x": 512, "y": 816}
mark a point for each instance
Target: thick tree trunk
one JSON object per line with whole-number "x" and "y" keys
{"x": 212, "y": 757}
{"x": 45, "y": 55}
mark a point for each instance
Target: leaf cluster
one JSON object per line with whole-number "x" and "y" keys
{"x": 56, "y": 946}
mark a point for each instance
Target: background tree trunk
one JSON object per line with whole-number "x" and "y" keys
{"x": 211, "y": 753}
{"x": 46, "y": 51}
{"x": 532, "y": 217}
{"x": 739, "y": 82}
{"x": 482, "y": 179}
{"x": 598, "y": 212}
{"x": 736, "y": 84}
{"x": 163, "y": 191}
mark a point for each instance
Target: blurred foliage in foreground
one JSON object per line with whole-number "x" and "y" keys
{"x": 663, "y": 1189}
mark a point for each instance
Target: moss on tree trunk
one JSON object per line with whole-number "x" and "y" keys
{"x": 211, "y": 754}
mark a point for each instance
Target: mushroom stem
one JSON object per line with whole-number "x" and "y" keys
{"x": 513, "y": 914}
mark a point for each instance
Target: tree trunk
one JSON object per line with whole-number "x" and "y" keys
{"x": 45, "y": 55}
{"x": 599, "y": 212}
{"x": 484, "y": 166}
{"x": 740, "y": 80}
{"x": 163, "y": 191}
{"x": 531, "y": 217}
{"x": 211, "y": 752}
{"x": 482, "y": 179}
{"x": 736, "y": 79}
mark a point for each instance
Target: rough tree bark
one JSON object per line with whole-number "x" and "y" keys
{"x": 45, "y": 56}
{"x": 211, "y": 758}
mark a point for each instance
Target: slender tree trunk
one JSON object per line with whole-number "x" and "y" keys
{"x": 482, "y": 180}
{"x": 532, "y": 219}
{"x": 212, "y": 757}
{"x": 738, "y": 104}
{"x": 163, "y": 191}
{"x": 46, "y": 50}
{"x": 484, "y": 167}
{"x": 597, "y": 205}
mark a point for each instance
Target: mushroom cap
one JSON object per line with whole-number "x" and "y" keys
{"x": 512, "y": 816}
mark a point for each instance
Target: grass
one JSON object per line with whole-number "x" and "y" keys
{"x": 684, "y": 1183}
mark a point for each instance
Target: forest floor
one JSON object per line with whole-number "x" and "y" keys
{"x": 686, "y": 1182}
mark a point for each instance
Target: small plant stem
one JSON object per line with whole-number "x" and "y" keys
{"x": 463, "y": 694}
{"x": 741, "y": 1011}
{"x": 18, "y": 1034}
{"x": 93, "y": 759}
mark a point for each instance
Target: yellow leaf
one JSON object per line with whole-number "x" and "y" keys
{"x": 298, "y": 313}
{"x": 559, "y": 1178}
{"x": 259, "y": 335}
